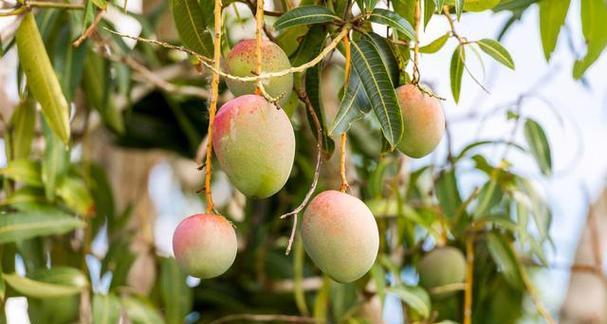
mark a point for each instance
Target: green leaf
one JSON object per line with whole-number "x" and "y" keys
{"x": 305, "y": 15}
{"x": 68, "y": 62}
{"x": 61, "y": 275}
{"x": 457, "y": 71}
{"x": 459, "y": 8}
{"x": 392, "y": 19}
{"x": 24, "y": 195}
{"x": 350, "y": 107}
{"x": 594, "y": 16}
{"x": 39, "y": 289}
{"x": 101, "y": 4}
{"x": 538, "y": 145}
{"x": 415, "y": 297}
{"x": 25, "y": 171}
{"x": 447, "y": 192}
{"x": 55, "y": 163}
{"x": 429, "y": 8}
{"x": 552, "y": 18}
{"x": 40, "y": 221}
{"x": 387, "y": 57}
{"x": 191, "y": 25}
{"x": 76, "y": 196}
{"x": 435, "y": 45}
{"x": 22, "y": 129}
{"x": 503, "y": 255}
{"x": 41, "y": 78}
{"x": 379, "y": 278}
{"x": 176, "y": 295}
{"x": 106, "y": 309}
{"x": 488, "y": 197}
{"x": 378, "y": 87}
{"x": 140, "y": 311}
{"x": 496, "y": 51}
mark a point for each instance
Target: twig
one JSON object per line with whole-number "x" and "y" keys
{"x": 344, "y": 186}
{"x": 265, "y": 318}
{"x": 264, "y": 75}
{"x": 303, "y": 96}
{"x": 89, "y": 30}
{"x": 541, "y": 309}
{"x": 213, "y": 104}
{"x": 59, "y": 5}
{"x": 459, "y": 38}
{"x": 416, "y": 18}
{"x": 469, "y": 280}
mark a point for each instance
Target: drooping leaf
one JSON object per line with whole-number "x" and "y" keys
{"x": 40, "y": 221}
{"x": 106, "y": 309}
{"x": 22, "y": 170}
{"x": 22, "y": 129}
{"x": 305, "y": 15}
{"x": 538, "y": 145}
{"x": 594, "y": 16}
{"x": 505, "y": 258}
{"x": 447, "y": 191}
{"x": 61, "y": 275}
{"x": 176, "y": 295}
{"x": 457, "y": 71}
{"x": 415, "y": 297}
{"x": 76, "y": 195}
{"x": 350, "y": 107}
{"x": 68, "y": 62}
{"x": 459, "y": 8}
{"x": 435, "y": 45}
{"x": 552, "y": 18}
{"x": 140, "y": 311}
{"x": 392, "y": 19}
{"x": 488, "y": 197}
{"x": 39, "y": 289}
{"x": 55, "y": 162}
{"x": 378, "y": 87}
{"x": 387, "y": 56}
{"x": 429, "y": 8}
{"x": 496, "y": 51}
{"x": 191, "y": 25}
{"x": 41, "y": 78}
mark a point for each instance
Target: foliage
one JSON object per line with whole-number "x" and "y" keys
{"x": 56, "y": 201}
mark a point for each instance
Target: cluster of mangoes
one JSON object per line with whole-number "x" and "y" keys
{"x": 255, "y": 145}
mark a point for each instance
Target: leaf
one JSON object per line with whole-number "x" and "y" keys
{"x": 39, "y": 289}
{"x": 25, "y": 171}
{"x": 140, "y": 311}
{"x": 305, "y": 15}
{"x": 488, "y": 197}
{"x": 594, "y": 16}
{"x": 68, "y": 62}
{"x": 435, "y": 45}
{"x": 101, "y": 4}
{"x": 106, "y": 309}
{"x": 457, "y": 71}
{"x": 379, "y": 278}
{"x": 459, "y": 7}
{"x": 496, "y": 51}
{"x": 387, "y": 56}
{"x": 415, "y": 297}
{"x": 55, "y": 162}
{"x": 176, "y": 295}
{"x": 191, "y": 25}
{"x": 22, "y": 129}
{"x": 392, "y": 19}
{"x": 538, "y": 145}
{"x": 41, "y": 78}
{"x": 447, "y": 192}
{"x": 429, "y": 8}
{"x": 24, "y": 195}
{"x": 61, "y": 275}
{"x": 377, "y": 85}
{"x": 39, "y": 221}
{"x": 552, "y": 18}
{"x": 76, "y": 196}
{"x": 350, "y": 108}
{"x": 504, "y": 257}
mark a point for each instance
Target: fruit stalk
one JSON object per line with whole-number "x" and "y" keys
{"x": 213, "y": 103}
{"x": 259, "y": 26}
{"x": 416, "y": 18}
{"x": 342, "y": 147}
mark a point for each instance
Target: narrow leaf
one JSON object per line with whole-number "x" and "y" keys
{"x": 552, "y": 18}
{"x": 350, "y": 109}
{"x": 22, "y": 129}
{"x": 594, "y": 16}
{"x": 378, "y": 87}
{"x": 503, "y": 255}
{"x": 191, "y": 25}
{"x": 415, "y": 297}
{"x": 176, "y": 295}
{"x": 305, "y": 15}
{"x": 39, "y": 289}
{"x": 40, "y": 221}
{"x": 41, "y": 78}
{"x": 538, "y": 145}
{"x": 457, "y": 71}
{"x": 435, "y": 45}
{"x": 496, "y": 51}
{"x": 429, "y": 8}
{"x": 25, "y": 171}
{"x": 459, "y": 8}
{"x": 106, "y": 309}
{"x": 394, "y": 20}
{"x": 140, "y": 311}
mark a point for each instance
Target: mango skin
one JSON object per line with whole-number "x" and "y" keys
{"x": 240, "y": 61}
{"x": 255, "y": 145}
{"x": 423, "y": 119}
{"x": 340, "y": 235}
{"x": 442, "y": 266}
{"x": 204, "y": 245}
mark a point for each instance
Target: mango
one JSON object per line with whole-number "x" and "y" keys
{"x": 241, "y": 60}
{"x": 442, "y": 266}
{"x": 255, "y": 145}
{"x": 423, "y": 119}
{"x": 204, "y": 245}
{"x": 340, "y": 235}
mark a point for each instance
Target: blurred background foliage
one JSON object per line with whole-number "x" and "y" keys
{"x": 77, "y": 223}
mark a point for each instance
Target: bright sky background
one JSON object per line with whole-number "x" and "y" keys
{"x": 579, "y": 153}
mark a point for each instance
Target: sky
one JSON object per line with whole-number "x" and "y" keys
{"x": 577, "y": 139}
